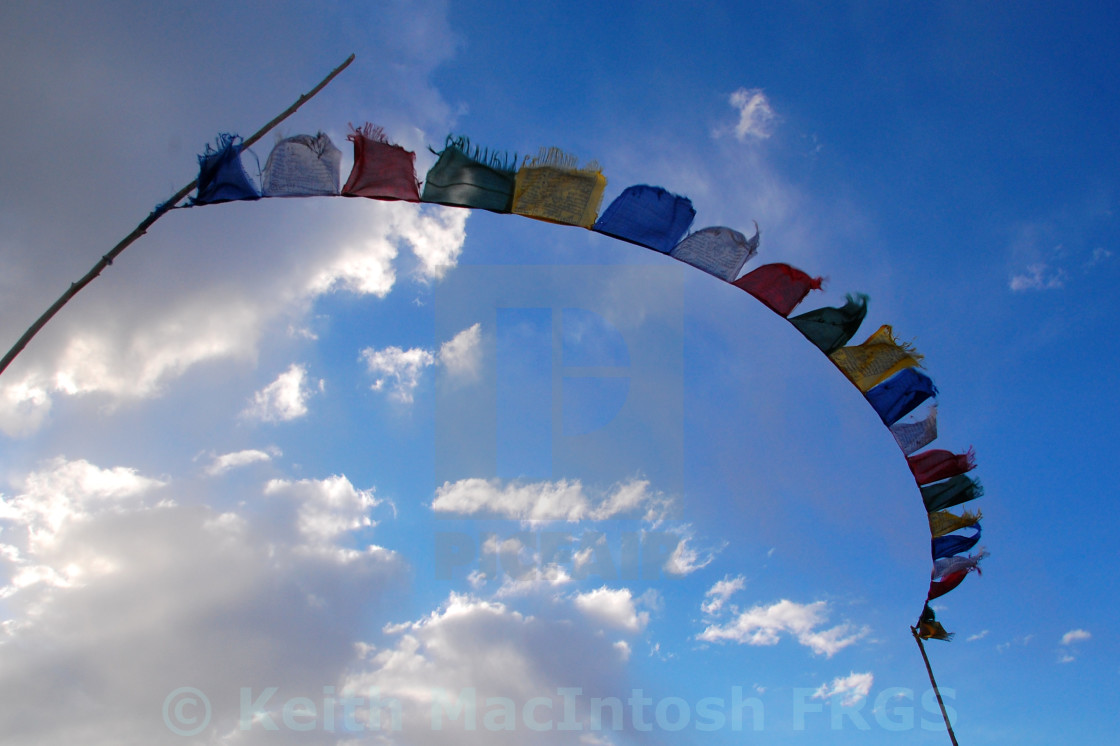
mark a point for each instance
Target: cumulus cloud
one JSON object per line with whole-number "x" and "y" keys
{"x": 1038, "y": 276}
{"x": 756, "y": 117}
{"x": 764, "y": 625}
{"x": 495, "y": 656}
{"x": 437, "y": 241}
{"x": 561, "y": 500}
{"x": 398, "y": 371}
{"x": 64, "y": 492}
{"x": 285, "y": 398}
{"x": 119, "y": 594}
{"x": 613, "y": 608}
{"x": 853, "y": 688}
{"x": 133, "y": 347}
{"x": 326, "y": 509}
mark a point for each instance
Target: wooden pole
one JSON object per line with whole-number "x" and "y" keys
{"x": 147, "y": 222}
{"x": 940, "y": 703}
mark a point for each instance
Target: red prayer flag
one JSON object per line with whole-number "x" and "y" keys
{"x": 779, "y": 287}
{"x": 381, "y": 170}
{"x": 946, "y": 584}
{"x": 933, "y": 466}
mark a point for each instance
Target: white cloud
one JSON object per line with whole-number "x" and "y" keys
{"x": 461, "y": 356}
{"x": 438, "y": 240}
{"x": 756, "y": 117}
{"x": 764, "y": 625}
{"x": 494, "y": 652}
{"x": 223, "y": 463}
{"x": 130, "y": 346}
{"x": 686, "y": 559}
{"x": 1075, "y": 635}
{"x": 978, "y": 636}
{"x": 165, "y": 593}
{"x": 1038, "y": 276}
{"x": 284, "y": 399}
{"x": 63, "y": 492}
{"x": 399, "y": 368}
{"x": 327, "y": 507}
{"x": 718, "y": 594}
{"x": 613, "y": 608}
{"x": 854, "y": 688}
{"x": 562, "y": 500}
{"x": 398, "y": 371}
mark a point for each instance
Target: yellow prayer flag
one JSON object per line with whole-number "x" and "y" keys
{"x": 943, "y": 522}
{"x": 551, "y": 188}
{"x": 877, "y": 359}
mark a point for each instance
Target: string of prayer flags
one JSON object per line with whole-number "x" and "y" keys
{"x": 779, "y": 287}
{"x": 953, "y": 491}
{"x": 647, "y": 216}
{"x": 877, "y": 359}
{"x": 947, "y": 546}
{"x": 943, "y": 522}
{"x": 553, "y": 188}
{"x": 479, "y": 179}
{"x": 831, "y": 328}
{"x": 381, "y": 169}
{"x": 717, "y": 250}
{"x": 900, "y": 394}
{"x": 302, "y": 166}
{"x": 221, "y": 176}
{"x": 935, "y": 465}
{"x": 915, "y": 435}
{"x": 550, "y": 187}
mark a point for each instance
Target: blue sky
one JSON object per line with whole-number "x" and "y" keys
{"x": 286, "y": 454}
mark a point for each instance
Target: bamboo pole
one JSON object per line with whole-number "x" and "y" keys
{"x": 147, "y": 222}
{"x": 940, "y": 703}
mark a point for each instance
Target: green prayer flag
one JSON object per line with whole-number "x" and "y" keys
{"x": 831, "y": 328}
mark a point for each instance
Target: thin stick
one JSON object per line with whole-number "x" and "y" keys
{"x": 944, "y": 714}
{"x": 155, "y": 215}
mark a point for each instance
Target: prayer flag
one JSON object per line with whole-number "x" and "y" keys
{"x": 221, "y": 177}
{"x": 551, "y": 188}
{"x": 942, "y": 522}
{"x": 478, "y": 179}
{"x": 950, "y": 565}
{"x": 779, "y": 287}
{"x": 953, "y": 491}
{"x": 381, "y": 170}
{"x": 302, "y": 166}
{"x": 947, "y": 546}
{"x": 831, "y": 328}
{"x": 912, "y": 436}
{"x": 718, "y": 251}
{"x": 935, "y": 465}
{"x": 929, "y": 628}
{"x": 900, "y": 394}
{"x": 877, "y": 359}
{"x": 648, "y": 216}
{"x": 939, "y": 588}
